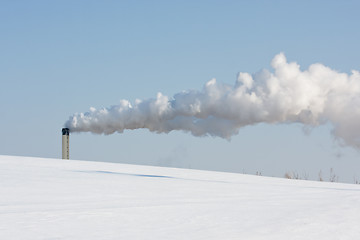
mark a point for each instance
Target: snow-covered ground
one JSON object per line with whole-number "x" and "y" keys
{"x": 59, "y": 199}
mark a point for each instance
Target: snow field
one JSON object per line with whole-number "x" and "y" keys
{"x": 59, "y": 199}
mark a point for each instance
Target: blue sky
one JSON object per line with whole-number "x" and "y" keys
{"x": 62, "y": 57}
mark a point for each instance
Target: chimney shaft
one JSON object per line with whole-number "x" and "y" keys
{"x": 65, "y": 143}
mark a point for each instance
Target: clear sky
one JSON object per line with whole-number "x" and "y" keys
{"x": 62, "y": 57}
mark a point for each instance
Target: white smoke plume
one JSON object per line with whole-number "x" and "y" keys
{"x": 312, "y": 97}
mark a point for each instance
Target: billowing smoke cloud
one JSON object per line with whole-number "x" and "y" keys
{"x": 312, "y": 97}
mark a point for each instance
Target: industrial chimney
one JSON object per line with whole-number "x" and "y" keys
{"x": 65, "y": 143}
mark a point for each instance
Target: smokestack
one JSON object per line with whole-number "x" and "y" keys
{"x": 65, "y": 143}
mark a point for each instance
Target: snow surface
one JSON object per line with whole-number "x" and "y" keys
{"x": 58, "y": 199}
